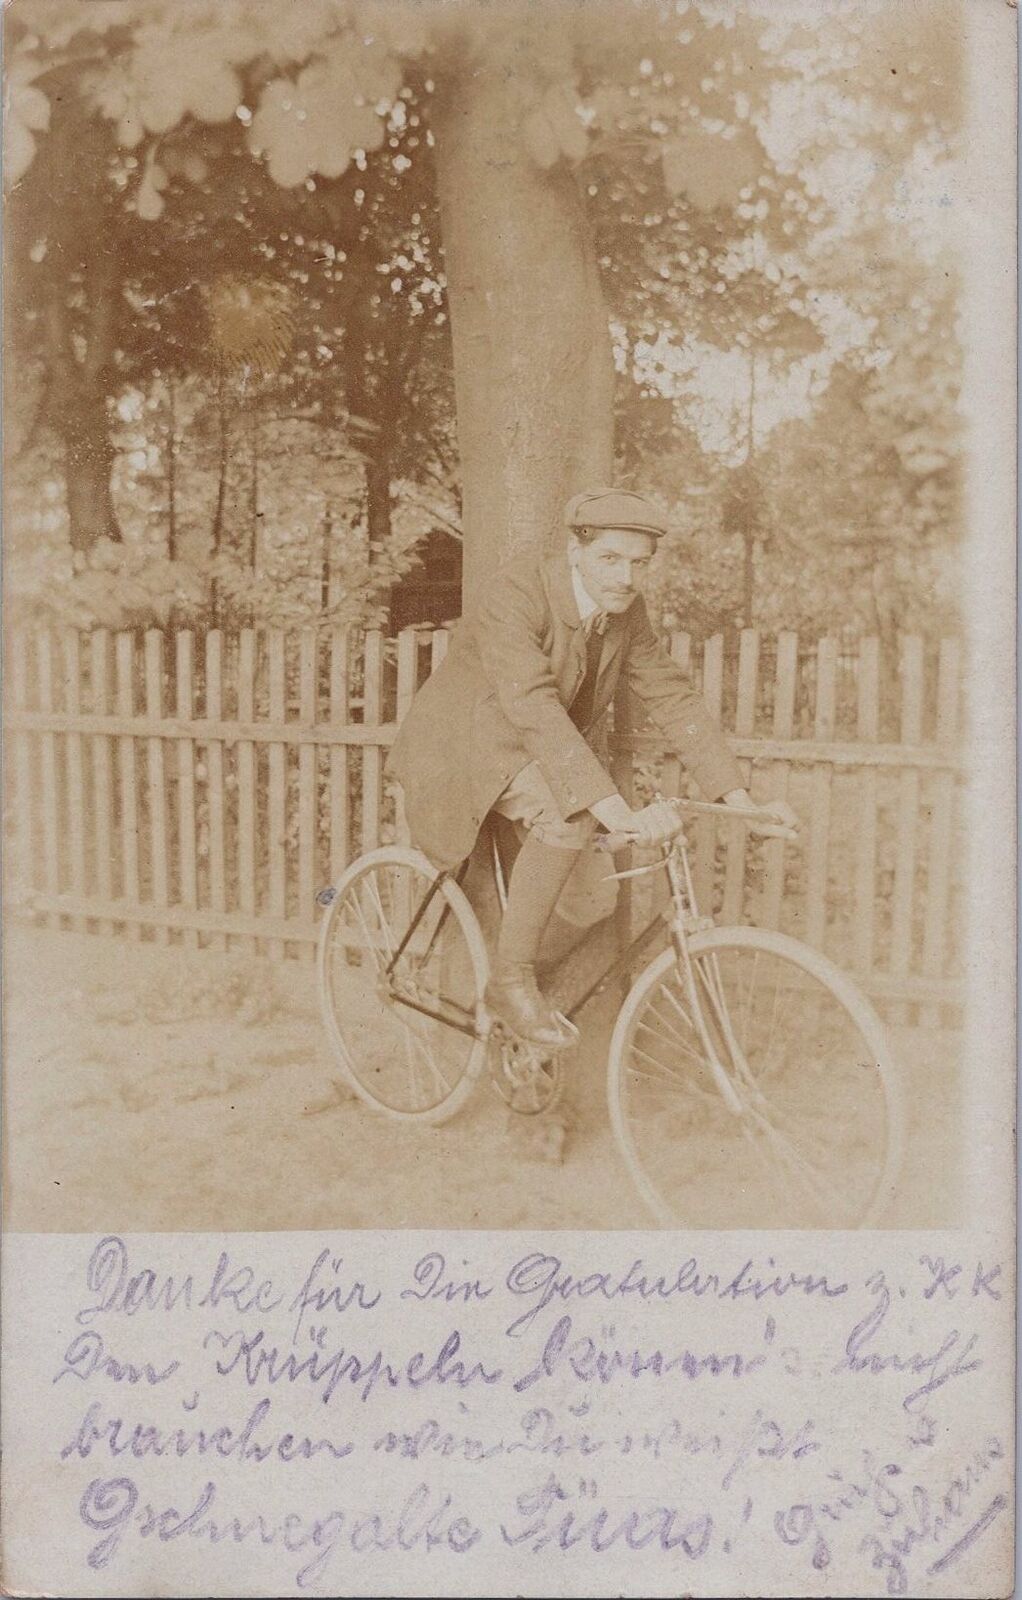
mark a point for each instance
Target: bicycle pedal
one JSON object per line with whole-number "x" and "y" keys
{"x": 498, "y": 1032}
{"x": 569, "y": 1029}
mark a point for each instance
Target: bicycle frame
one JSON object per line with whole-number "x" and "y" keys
{"x": 683, "y": 914}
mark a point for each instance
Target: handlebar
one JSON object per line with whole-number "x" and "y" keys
{"x": 612, "y": 842}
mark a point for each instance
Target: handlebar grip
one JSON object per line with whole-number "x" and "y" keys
{"x": 773, "y": 830}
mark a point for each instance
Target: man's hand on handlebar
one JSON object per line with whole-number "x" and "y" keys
{"x": 658, "y": 823}
{"x": 775, "y": 820}
{"x": 651, "y": 825}
{"x": 655, "y": 824}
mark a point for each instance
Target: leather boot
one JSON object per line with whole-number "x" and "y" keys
{"x": 514, "y": 999}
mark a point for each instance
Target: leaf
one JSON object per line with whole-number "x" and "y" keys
{"x": 19, "y": 148}
{"x": 170, "y": 75}
{"x": 30, "y": 106}
{"x": 27, "y": 113}
{"x": 290, "y": 33}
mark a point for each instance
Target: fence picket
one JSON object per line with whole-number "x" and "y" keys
{"x": 745, "y": 719}
{"x": 340, "y": 793}
{"x": 74, "y": 772}
{"x": 941, "y": 826}
{"x": 246, "y": 765}
{"x": 157, "y": 789}
{"x": 48, "y": 773}
{"x": 214, "y": 707}
{"x": 407, "y": 683}
{"x": 184, "y": 700}
{"x": 820, "y": 795}
{"x": 308, "y": 790}
{"x": 26, "y": 811}
{"x": 867, "y": 730}
{"x": 785, "y": 676}
{"x": 680, "y": 647}
{"x": 705, "y": 831}
{"x": 372, "y": 755}
{"x": 438, "y": 647}
{"x": 77, "y": 810}
{"x": 128, "y": 776}
{"x": 941, "y": 829}
{"x": 102, "y": 779}
{"x": 276, "y": 798}
{"x": 908, "y": 807}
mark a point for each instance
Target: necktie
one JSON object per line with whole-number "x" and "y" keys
{"x": 581, "y": 710}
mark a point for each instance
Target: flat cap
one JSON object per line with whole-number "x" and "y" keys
{"x": 615, "y": 508}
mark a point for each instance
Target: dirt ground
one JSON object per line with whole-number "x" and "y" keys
{"x": 156, "y": 1089}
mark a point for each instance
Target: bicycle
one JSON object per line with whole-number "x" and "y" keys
{"x": 734, "y": 1044}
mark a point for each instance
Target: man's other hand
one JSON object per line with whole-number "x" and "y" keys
{"x": 775, "y": 819}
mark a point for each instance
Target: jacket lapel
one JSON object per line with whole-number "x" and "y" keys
{"x": 564, "y": 606}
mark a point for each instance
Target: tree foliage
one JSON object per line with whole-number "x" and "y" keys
{"x": 225, "y": 219}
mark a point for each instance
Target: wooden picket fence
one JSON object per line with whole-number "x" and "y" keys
{"x": 201, "y": 789}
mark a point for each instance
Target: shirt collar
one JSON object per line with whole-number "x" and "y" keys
{"x": 587, "y": 606}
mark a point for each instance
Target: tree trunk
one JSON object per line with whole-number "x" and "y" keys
{"x": 748, "y": 568}
{"x": 223, "y": 462}
{"x": 88, "y": 458}
{"x": 77, "y": 403}
{"x": 324, "y": 568}
{"x": 750, "y": 496}
{"x": 253, "y": 487}
{"x": 171, "y": 470}
{"x": 378, "y": 507}
{"x": 533, "y": 368}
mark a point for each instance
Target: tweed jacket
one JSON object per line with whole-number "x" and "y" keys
{"x": 499, "y": 700}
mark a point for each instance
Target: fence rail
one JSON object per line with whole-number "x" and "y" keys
{"x": 202, "y": 788}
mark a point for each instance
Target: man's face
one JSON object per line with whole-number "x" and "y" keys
{"x": 613, "y": 566}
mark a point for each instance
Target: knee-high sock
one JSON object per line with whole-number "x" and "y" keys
{"x": 537, "y": 878}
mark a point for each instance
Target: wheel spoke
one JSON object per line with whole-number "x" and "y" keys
{"x": 746, "y": 1012}
{"x": 370, "y": 944}
{"x": 669, "y": 994}
{"x": 723, "y": 1021}
{"x": 676, "y": 1041}
{"x": 812, "y": 1144}
{"x": 816, "y": 1185}
{"x": 682, "y": 1087}
{"x": 401, "y": 1059}
{"x": 411, "y": 1038}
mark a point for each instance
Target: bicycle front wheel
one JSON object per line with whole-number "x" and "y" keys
{"x": 813, "y": 1138}
{"x": 388, "y": 957}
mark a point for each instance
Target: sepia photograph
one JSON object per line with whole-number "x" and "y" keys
{"x": 486, "y": 632}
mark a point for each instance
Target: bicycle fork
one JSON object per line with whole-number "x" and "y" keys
{"x": 683, "y": 894}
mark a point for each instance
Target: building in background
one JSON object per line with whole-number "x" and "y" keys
{"x": 431, "y": 592}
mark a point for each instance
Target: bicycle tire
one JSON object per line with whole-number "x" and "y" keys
{"x": 862, "y": 1017}
{"x": 350, "y": 1036}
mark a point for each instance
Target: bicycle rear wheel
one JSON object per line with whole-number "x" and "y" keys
{"x": 399, "y": 1060}
{"x": 817, "y": 1141}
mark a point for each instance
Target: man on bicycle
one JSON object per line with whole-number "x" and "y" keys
{"x": 511, "y": 723}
